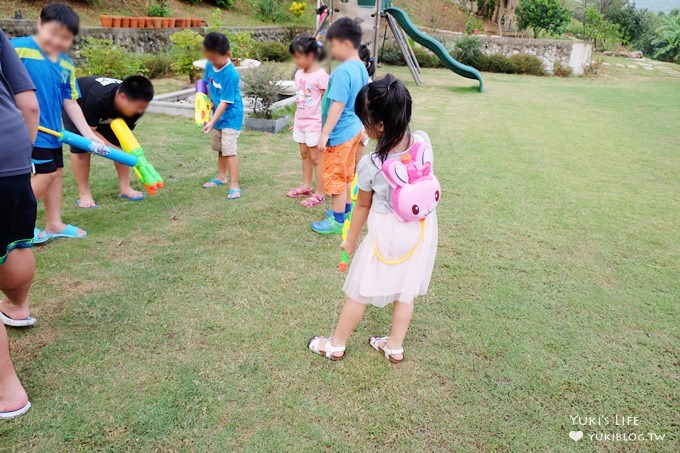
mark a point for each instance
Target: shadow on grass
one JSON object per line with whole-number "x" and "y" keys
{"x": 465, "y": 90}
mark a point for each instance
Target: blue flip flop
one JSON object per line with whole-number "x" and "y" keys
{"x": 70, "y": 232}
{"x": 40, "y": 236}
{"x": 88, "y": 207}
{"x": 234, "y": 194}
{"x": 129, "y": 198}
{"x": 215, "y": 181}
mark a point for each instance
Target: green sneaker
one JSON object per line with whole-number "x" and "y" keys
{"x": 327, "y": 226}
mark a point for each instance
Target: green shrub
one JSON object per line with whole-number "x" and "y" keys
{"x": 561, "y": 70}
{"x": 527, "y": 64}
{"x": 426, "y": 59}
{"x": 496, "y": 63}
{"x": 271, "y": 51}
{"x": 271, "y": 10}
{"x": 187, "y": 47}
{"x": 105, "y": 58}
{"x": 158, "y": 9}
{"x": 260, "y": 83}
{"x": 391, "y": 55}
{"x": 158, "y": 66}
{"x": 226, "y": 4}
{"x": 468, "y": 50}
{"x": 242, "y": 45}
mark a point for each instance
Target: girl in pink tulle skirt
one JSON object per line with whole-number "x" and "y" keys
{"x": 394, "y": 262}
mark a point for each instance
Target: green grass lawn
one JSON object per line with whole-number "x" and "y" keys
{"x": 181, "y": 322}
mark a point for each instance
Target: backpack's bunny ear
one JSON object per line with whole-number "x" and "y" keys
{"x": 423, "y": 155}
{"x": 395, "y": 172}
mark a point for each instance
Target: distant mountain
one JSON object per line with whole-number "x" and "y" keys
{"x": 658, "y": 5}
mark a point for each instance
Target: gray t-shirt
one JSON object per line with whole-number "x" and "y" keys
{"x": 370, "y": 177}
{"x": 16, "y": 146}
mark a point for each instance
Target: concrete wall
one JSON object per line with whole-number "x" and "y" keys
{"x": 142, "y": 40}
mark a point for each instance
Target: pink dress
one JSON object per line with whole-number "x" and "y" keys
{"x": 372, "y": 281}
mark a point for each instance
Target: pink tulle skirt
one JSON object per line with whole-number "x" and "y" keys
{"x": 372, "y": 281}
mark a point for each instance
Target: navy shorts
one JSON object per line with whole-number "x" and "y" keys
{"x": 47, "y": 160}
{"x": 17, "y": 214}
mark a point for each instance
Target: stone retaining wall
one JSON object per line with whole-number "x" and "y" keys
{"x": 142, "y": 40}
{"x": 575, "y": 54}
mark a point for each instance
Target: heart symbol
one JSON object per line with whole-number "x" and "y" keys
{"x": 576, "y": 435}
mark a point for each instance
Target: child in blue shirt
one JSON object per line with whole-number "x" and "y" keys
{"x": 222, "y": 80}
{"x": 54, "y": 75}
{"x": 342, "y": 129}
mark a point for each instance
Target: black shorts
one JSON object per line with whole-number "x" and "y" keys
{"x": 47, "y": 160}
{"x": 17, "y": 214}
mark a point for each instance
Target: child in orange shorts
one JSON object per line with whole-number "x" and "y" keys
{"x": 342, "y": 128}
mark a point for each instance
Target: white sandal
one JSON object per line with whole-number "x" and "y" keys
{"x": 387, "y": 352}
{"x": 314, "y": 343}
{"x": 11, "y": 322}
{"x": 17, "y": 413}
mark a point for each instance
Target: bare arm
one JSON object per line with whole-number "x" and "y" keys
{"x": 27, "y": 102}
{"x": 74, "y": 112}
{"x": 219, "y": 111}
{"x": 359, "y": 217}
{"x": 332, "y": 119}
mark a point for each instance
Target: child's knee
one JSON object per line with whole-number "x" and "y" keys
{"x": 304, "y": 153}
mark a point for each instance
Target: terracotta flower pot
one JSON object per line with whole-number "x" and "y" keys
{"x": 148, "y": 22}
{"x": 157, "y": 22}
{"x": 196, "y": 23}
{"x": 134, "y": 22}
{"x": 115, "y": 21}
{"x": 171, "y": 22}
{"x": 125, "y": 22}
{"x": 106, "y": 21}
{"x": 185, "y": 22}
{"x": 165, "y": 22}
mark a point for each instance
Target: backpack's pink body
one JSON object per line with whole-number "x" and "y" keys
{"x": 416, "y": 189}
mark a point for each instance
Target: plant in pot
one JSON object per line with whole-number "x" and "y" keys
{"x": 242, "y": 46}
{"x": 261, "y": 84}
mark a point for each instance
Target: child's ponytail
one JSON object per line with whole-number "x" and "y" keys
{"x": 385, "y": 101}
{"x": 307, "y": 45}
{"x": 369, "y": 61}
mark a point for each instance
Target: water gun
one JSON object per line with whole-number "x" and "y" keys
{"x": 321, "y": 14}
{"x": 100, "y": 149}
{"x": 202, "y": 105}
{"x": 145, "y": 172}
{"x": 354, "y": 192}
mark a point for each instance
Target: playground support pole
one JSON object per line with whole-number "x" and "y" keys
{"x": 406, "y": 49}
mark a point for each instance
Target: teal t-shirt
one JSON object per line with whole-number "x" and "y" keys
{"x": 54, "y": 81}
{"x": 223, "y": 86}
{"x": 343, "y": 87}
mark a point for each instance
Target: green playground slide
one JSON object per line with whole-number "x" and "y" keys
{"x": 435, "y": 46}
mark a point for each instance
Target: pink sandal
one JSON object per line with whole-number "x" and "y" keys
{"x": 299, "y": 192}
{"x": 314, "y": 200}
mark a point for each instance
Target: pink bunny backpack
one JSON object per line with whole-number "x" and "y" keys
{"x": 416, "y": 190}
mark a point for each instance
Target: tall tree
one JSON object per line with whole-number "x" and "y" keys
{"x": 542, "y": 15}
{"x": 668, "y": 38}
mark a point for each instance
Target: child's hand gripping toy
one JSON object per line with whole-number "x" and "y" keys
{"x": 416, "y": 189}
{"x": 100, "y": 149}
{"x": 145, "y": 172}
{"x": 202, "y": 105}
{"x": 354, "y": 189}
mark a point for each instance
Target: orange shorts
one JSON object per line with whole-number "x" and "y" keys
{"x": 338, "y": 165}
